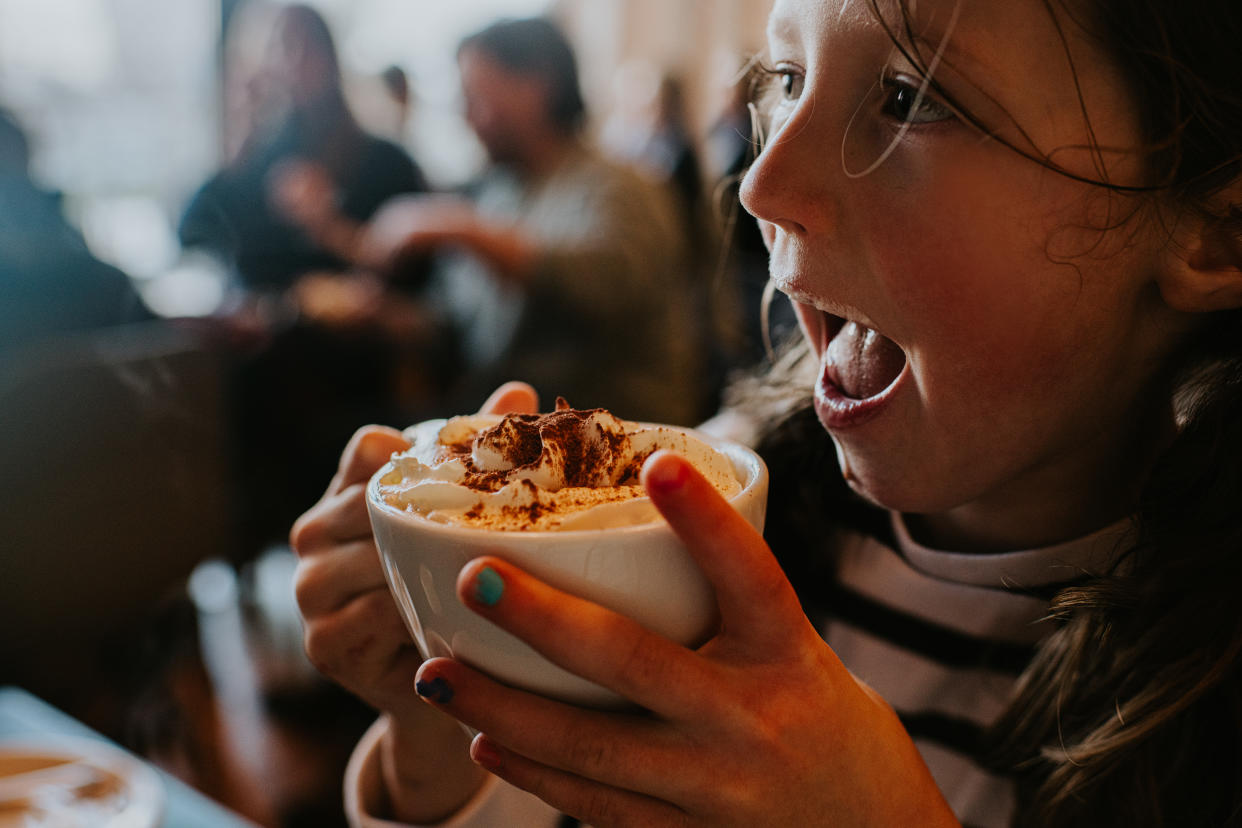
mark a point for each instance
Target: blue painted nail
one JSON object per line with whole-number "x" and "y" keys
{"x": 438, "y": 690}
{"x": 488, "y": 587}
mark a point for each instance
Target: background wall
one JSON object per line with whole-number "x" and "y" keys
{"x": 701, "y": 40}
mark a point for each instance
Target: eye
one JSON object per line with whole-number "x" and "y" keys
{"x": 791, "y": 83}
{"x": 913, "y": 103}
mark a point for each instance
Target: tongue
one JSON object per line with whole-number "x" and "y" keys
{"x": 865, "y": 362}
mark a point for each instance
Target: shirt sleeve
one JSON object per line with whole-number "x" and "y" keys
{"x": 613, "y": 241}
{"x": 495, "y": 803}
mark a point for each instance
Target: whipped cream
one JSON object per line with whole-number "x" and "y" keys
{"x": 566, "y": 470}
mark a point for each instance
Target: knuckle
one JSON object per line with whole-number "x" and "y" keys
{"x": 599, "y": 809}
{"x": 307, "y": 587}
{"x": 382, "y": 612}
{"x": 587, "y": 756}
{"x": 318, "y": 651}
{"x": 641, "y": 666}
{"x": 305, "y": 530}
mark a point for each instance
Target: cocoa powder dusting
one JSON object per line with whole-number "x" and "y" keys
{"x": 630, "y": 475}
{"x": 523, "y": 438}
{"x": 516, "y": 437}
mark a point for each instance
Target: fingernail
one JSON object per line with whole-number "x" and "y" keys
{"x": 667, "y": 476}
{"x": 437, "y": 689}
{"x": 484, "y": 754}
{"x": 488, "y": 587}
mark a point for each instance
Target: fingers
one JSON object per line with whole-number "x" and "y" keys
{"x": 588, "y": 640}
{"x": 325, "y": 583}
{"x": 755, "y": 598}
{"x": 512, "y": 398}
{"x": 336, "y": 518}
{"x": 369, "y": 448}
{"x": 366, "y": 648}
{"x": 627, "y": 751}
{"x": 592, "y": 803}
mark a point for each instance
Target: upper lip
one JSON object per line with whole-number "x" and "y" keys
{"x": 788, "y": 287}
{"x": 827, "y": 307}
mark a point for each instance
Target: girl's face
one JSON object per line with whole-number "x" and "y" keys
{"x": 989, "y": 353}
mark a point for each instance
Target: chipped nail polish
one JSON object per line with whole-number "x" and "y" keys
{"x": 437, "y": 689}
{"x": 488, "y": 587}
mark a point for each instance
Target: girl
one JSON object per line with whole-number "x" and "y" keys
{"x": 1010, "y": 231}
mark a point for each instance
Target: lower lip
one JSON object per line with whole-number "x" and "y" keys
{"x": 838, "y": 412}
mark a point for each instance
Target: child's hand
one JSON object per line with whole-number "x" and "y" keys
{"x": 355, "y": 636}
{"x": 762, "y": 725}
{"x": 353, "y": 632}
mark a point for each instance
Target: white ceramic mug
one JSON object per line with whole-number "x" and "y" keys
{"x": 642, "y": 571}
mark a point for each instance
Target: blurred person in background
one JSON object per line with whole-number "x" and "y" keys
{"x": 555, "y": 264}
{"x": 650, "y": 127}
{"x": 50, "y": 282}
{"x": 315, "y": 352}
{"x": 303, "y": 141}
{"x": 395, "y": 83}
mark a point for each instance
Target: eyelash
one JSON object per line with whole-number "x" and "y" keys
{"x": 771, "y": 82}
{"x": 786, "y": 83}
{"x": 897, "y": 86}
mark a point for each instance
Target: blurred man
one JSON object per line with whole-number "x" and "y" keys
{"x": 558, "y": 267}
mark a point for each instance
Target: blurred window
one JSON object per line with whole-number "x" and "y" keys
{"x": 119, "y": 98}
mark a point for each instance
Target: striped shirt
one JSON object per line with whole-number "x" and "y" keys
{"x": 941, "y": 636}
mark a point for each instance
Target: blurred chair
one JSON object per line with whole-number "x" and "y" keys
{"x": 113, "y": 485}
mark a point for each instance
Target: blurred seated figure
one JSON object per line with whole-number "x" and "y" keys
{"x": 50, "y": 282}
{"x": 650, "y": 127}
{"x": 555, "y": 265}
{"x": 316, "y": 350}
{"x": 304, "y": 139}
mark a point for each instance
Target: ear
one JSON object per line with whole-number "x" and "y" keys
{"x": 1206, "y": 274}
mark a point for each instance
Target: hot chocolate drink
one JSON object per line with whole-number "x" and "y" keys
{"x": 565, "y": 470}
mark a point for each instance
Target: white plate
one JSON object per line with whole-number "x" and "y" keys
{"x": 69, "y": 783}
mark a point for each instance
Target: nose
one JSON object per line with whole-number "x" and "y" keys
{"x": 789, "y": 184}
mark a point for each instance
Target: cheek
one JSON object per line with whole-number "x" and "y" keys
{"x": 980, "y": 299}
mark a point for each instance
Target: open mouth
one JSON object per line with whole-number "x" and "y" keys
{"x": 859, "y": 367}
{"x": 859, "y": 361}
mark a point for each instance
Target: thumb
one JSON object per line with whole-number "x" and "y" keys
{"x": 369, "y": 448}
{"x": 512, "y": 398}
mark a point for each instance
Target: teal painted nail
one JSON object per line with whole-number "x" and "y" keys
{"x": 488, "y": 587}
